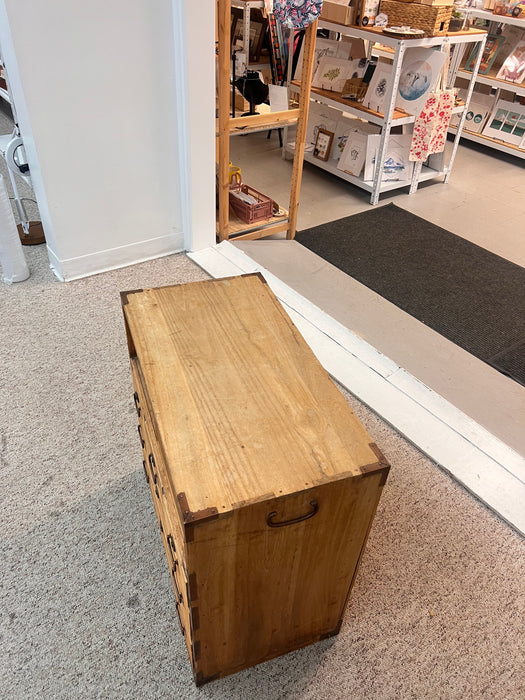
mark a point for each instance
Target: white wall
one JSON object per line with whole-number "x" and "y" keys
{"x": 98, "y": 88}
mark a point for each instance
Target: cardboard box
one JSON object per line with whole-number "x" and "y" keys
{"x": 339, "y": 12}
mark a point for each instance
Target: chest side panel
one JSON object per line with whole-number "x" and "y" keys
{"x": 262, "y": 591}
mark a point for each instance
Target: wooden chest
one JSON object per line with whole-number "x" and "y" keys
{"x": 264, "y": 482}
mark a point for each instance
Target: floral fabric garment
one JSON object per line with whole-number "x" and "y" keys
{"x": 297, "y": 14}
{"x": 430, "y": 128}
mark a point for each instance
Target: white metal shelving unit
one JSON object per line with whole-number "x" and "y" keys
{"x": 436, "y": 166}
{"x": 497, "y": 85}
{"x": 247, "y": 6}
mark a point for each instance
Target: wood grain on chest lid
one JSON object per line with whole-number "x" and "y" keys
{"x": 241, "y": 405}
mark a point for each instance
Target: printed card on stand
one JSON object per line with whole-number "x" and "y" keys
{"x": 376, "y": 94}
{"x": 353, "y": 157}
{"x": 507, "y": 123}
{"x": 418, "y": 78}
{"x": 332, "y": 73}
{"x": 396, "y": 165}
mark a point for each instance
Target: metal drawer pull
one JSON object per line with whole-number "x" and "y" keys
{"x": 283, "y": 523}
{"x": 140, "y": 435}
{"x": 137, "y": 403}
{"x": 145, "y": 471}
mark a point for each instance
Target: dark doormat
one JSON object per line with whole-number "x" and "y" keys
{"x": 471, "y": 296}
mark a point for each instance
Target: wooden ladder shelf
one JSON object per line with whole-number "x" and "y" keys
{"x": 227, "y": 227}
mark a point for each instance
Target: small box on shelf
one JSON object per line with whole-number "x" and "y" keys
{"x": 340, "y": 12}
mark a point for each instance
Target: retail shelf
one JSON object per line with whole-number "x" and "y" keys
{"x": 489, "y": 141}
{"x": 368, "y": 185}
{"x": 393, "y": 117}
{"x": 491, "y": 17}
{"x": 375, "y": 34}
{"x": 334, "y": 99}
{"x": 491, "y": 80}
{"x": 259, "y": 229}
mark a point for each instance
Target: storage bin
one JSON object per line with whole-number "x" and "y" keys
{"x": 250, "y": 213}
{"x": 432, "y": 19}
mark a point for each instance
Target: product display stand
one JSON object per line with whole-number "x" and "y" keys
{"x": 498, "y": 86}
{"x": 228, "y": 226}
{"x": 392, "y": 116}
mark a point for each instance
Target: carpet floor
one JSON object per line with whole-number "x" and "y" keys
{"x": 467, "y": 294}
{"x": 87, "y": 607}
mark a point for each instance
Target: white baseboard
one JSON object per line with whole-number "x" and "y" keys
{"x": 111, "y": 259}
{"x": 482, "y": 463}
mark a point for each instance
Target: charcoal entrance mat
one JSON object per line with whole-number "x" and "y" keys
{"x": 467, "y": 294}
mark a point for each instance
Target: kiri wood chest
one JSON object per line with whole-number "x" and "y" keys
{"x": 264, "y": 482}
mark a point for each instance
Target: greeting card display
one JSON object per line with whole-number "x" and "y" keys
{"x": 397, "y": 165}
{"x": 332, "y": 73}
{"x": 507, "y": 123}
{"x": 379, "y": 88}
{"x": 480, "y": 106}
{"x": 353, "y": 157}
{"x": 320, "y": 117}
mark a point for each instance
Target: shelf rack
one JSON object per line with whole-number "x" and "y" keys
{"x": 285, "y": 220}
{"x": 493, "y": 82}
{"x": 393, "y": 117}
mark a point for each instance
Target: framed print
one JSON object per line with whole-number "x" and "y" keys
{"x": 513, "y": 68}
{"x": 323, "y": 144}
{"x": 489, "y": 54}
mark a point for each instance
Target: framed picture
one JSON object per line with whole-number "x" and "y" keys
{"x": 258, "y": 25}
{"x": 489, "y": 54}
{"x": 513, "y": 69}
{"x": 323, "y": 144}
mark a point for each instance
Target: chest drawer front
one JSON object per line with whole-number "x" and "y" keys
{"x": 154, "y": 463}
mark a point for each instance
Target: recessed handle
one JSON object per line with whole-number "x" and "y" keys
{"x": 282, "y": 523}
{"x": 137, "y": 403}
{"x": 153, "y": 467}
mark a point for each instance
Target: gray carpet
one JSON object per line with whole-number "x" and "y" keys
{"x": 87, "y": 608}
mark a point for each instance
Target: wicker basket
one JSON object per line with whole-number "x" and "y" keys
{"x": 250, "y": 213}
{"x": 432, "y": 19}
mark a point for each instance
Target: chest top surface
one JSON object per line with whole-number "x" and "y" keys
{"x": 242, "y": 407}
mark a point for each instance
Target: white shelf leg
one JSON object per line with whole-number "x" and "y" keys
{"x": 385, "y": 132}
{"x": 464, "y": 113}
